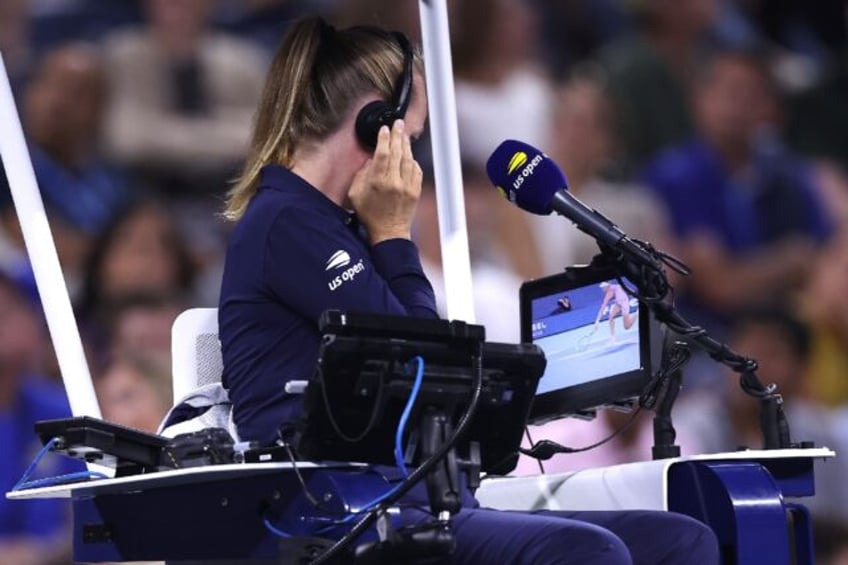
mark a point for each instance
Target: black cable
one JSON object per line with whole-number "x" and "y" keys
{"x": 372, "y": 420}
{"x": 532, "y": 445}
{"x": 612, "y": 436}
{"x": 719, "y": 352}
{"x": 268, "y": 506}
{"x": 674, "y": 356}
{"x": 419, "y": 473}
{"x": 306, "y": 492}
{"x": 545, "y": 449}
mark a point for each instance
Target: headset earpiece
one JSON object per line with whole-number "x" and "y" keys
{"x": 379, "y": 113}
{"x": 370, "y": 119}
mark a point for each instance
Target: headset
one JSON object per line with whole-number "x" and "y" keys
{"x": 380, "y": 113}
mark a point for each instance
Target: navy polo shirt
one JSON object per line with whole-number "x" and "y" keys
{"x": 293, "y": 255}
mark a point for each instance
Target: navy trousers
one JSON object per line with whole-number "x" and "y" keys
{"x": 640, "y": 537}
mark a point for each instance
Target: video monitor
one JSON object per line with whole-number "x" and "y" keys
{"x": 595, "y": 336}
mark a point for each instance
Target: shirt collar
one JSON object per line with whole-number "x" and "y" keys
{"x": 277, "y": 177}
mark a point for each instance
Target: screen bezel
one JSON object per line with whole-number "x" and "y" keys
{"x": 581, "y": 399}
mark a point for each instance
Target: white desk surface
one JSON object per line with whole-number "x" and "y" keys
{"x": 631, "y": 486}
{"x": 165, "y": 479}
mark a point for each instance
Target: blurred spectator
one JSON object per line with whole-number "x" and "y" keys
{"x": 501, "y": 93}
{"x": 56, "y": 22}
{"x": 824, "y": 303}
{"x": 832, "y": 183}
{"x": 34, "y": 531}
{"x": 11, "y": 251}
{"x": 184, "y": 97}
{"x": 62, "y": 116}
{"x": 574, "y": 30}
{"x": 818, "y": 33}
{"x": 817, "y": 124}
{"x": 650, "y": 75}
{"x": 745, "y": 209}
{"x": 15, "y": 41}
{"x": 402, "y": 16}
{"x": 140, "y": 327}
{"x": 495, "y": 285}
{"x": 713, "y": 423}
{"x": 141, "y": 253}
{"x": 831, "y": 542}
{"x": 134, "y": 394}
{"x": 263, "y": 22}
{"x": 585, "y": 147}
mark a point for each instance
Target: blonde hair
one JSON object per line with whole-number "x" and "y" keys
{"x": 316, "y": 76}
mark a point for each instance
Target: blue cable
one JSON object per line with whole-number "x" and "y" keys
{"x": 25, "y": 483}
{"x": 38, "y": 457}
{"x": 404, "y": 417}
{"x": 277, "y": 532}
{"x": 60, "y": 479}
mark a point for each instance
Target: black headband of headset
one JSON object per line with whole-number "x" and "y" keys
{"x": 379, "y": 113}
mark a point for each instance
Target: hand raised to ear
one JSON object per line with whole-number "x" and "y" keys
{"x": 385, "y": 191}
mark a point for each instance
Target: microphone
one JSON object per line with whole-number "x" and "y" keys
{"x": 532, "y": 181}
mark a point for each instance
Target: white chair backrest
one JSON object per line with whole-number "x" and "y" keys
{"x": 195, "y": 351}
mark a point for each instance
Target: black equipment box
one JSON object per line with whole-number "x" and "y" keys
{"x": 126, "y": 450}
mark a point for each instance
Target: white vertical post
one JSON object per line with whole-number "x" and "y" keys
{"x": 456, "y": 265}
{"x": 42, "y": 255}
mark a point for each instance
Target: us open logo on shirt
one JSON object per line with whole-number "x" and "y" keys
{"x": 339, "y": 260}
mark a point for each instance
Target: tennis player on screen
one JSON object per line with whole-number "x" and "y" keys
{"x": 619, "y": 305}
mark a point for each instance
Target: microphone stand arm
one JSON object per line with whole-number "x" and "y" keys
{"x": 643, "y": 265}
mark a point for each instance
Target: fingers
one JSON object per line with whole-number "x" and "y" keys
{"x": 417, "y": 179}
{"x": 413, "y": 174}
{"x": 393, "y": 161}
{"x": 396, "y": 147}
{"x": 407, "y": 163}
{"x": 390, "y": 150}
{"x": 382, "y": 151}
{"x": 385, "y": 190}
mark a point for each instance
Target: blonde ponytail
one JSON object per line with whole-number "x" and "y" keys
{"x": 288, "y": 79}
{"x": 316, "y": 76}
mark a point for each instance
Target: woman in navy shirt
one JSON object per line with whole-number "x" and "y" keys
{"x": 324, "y": 209}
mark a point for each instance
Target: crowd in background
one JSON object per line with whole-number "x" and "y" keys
{"x": 715, "y": 129}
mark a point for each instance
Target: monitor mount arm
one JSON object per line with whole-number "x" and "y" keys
{"x": 440, "y": 469}
{"x": 432, "y": 539}
{"x": 647, "y": 272}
